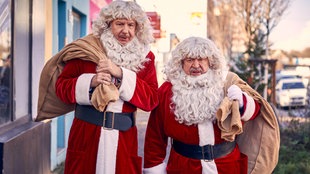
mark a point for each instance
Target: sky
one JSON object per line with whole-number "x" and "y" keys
{"x": 291, "y": 33}
{"x": 175, "y": 15}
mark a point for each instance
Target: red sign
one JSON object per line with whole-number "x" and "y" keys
{"x": 155, "y": 23}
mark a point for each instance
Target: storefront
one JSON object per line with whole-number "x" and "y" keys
{"x": 31, "y": 31}
{"x": 24, "y": 144}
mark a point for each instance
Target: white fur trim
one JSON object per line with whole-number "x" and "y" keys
{"x": 208, "y": 167}
{"x": 128, "y": 84}
{"x": 250, "y": 108}
{"x": 206, "y": 136}
{"x": 159, "y": 169}
{"x": 106, "y": 157}
{"x": 116, "y": 106}
{"x": 82, "y": 89}
{"x": 206, "y": 133}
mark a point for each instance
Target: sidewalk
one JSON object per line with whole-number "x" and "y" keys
{"x": 141, "y": 121}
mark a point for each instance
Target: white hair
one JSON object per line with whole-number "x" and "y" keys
{"x": 195, "y": 47}
{"x": 196, "y": 98}
{"x": 124, "y": 10}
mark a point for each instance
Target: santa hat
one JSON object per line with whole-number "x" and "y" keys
{"x": 194, "y": 47}
{"x": 126, "y": 10}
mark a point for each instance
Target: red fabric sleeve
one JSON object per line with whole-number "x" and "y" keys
{"x": 65, "y": 84}
{"x": 257, "y": 108}
{"x": 155, "y": 138}
{"x": 145, "y": 94}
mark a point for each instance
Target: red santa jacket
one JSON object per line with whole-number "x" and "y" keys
{"x": 91, "y": 148}
{"x": 162, "y": 125}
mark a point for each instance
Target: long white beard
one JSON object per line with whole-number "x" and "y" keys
{"x": 196, "y": 99}
{"x": 131, "y": 56}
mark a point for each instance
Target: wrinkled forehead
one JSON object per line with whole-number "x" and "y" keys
{"x": 125, "y": 20}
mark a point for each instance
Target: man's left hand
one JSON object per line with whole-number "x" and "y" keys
{"x": 107, "y": 66}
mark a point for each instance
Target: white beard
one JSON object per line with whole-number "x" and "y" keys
{"x": 131, "y": 56}
{"x": 196, "y": 99}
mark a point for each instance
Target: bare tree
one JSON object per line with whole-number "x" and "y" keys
{"x": 272, "y": 11}
{"x": 247, "y": 22}
{"x": 249, "y": 13}
{"x": 257, "y": 17}
{"x": 220, "y": 25}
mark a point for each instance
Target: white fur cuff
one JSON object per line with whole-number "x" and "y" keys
{"x": 128, "y": 85}
{"x": 249, "y": 109}
{"x": 82, "y": 89}
{"x": 159, "y": 169}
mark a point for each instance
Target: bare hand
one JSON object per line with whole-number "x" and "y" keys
{"x": 101, "y": 78}
{"x": 107, "y": 66}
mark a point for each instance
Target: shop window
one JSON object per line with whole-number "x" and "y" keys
{"x": 5, "y": 62}
{"x": 76, "y": 26}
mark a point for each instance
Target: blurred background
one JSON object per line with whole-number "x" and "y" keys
{"x": 266, "y": 42}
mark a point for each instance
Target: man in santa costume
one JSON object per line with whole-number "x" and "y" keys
{"x": 103, "y": 136}
{"x": 216, "y": 122}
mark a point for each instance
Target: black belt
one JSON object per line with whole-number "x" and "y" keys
{"x": 207, "y": 152}
{"x": 108, "y": 120}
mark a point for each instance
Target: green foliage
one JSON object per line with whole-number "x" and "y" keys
{"x": 242, "y": 71}
{"x": 248, "y": 70}
{"x": 248, "y": 74}
{"x": 257, "y": 47}
{"x": 294, "y": 157}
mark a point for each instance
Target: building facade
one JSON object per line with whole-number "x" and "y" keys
{"x": 31, "y": 32}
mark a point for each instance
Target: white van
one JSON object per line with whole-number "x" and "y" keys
{"x": 291, "y": 92}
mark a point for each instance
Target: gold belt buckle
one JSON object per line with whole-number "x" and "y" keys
{"x": 105, "y": 118}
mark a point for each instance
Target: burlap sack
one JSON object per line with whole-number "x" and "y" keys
{"x": 87, "y": 48}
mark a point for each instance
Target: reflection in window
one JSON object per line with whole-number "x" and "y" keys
{"x": 5, "y": 61}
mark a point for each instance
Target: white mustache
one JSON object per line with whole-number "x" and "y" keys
{"x": 124, "y": 35}
{"x": 196, "y": 69}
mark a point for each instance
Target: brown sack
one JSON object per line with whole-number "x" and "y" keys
{"x": 229, "y": 121}
{"x": 88, "y": 48}
{"x": 100, "y": 102}
{"x": 260, "y": 139}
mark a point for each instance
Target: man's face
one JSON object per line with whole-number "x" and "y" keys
{"x": 195, "y": 66}
{"x": 123, "y": 30}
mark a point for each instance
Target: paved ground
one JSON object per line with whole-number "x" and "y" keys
{"x": 142, "y": 118}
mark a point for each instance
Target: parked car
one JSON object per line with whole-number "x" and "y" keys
{"x": 280, "y": 77}
{"x": 291, "y": 92}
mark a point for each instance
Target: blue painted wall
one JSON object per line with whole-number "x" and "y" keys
{"x": 62, "y": 35}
